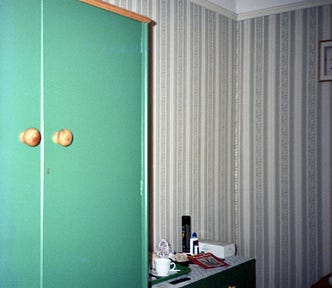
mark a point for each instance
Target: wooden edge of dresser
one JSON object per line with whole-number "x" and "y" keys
{"x": 118, "y": 10}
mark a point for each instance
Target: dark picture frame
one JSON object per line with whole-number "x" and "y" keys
{"x": 325, "y": 60}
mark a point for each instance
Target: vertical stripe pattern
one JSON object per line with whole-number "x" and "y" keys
{"x": 242, "y": 135}
{"x": 282, "y": 184}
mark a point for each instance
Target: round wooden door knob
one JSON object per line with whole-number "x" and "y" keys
{"x": 64, "y": 137}
{"x": 30, "y": 137}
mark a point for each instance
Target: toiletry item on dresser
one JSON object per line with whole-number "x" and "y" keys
{"x": 194, "y": 244}
{"x": 186, "y": 233}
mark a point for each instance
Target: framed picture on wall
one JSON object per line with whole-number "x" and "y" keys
{"x": 325, "y": 60}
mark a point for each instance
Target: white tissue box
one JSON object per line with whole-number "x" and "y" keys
{"x": 219, "y": 249}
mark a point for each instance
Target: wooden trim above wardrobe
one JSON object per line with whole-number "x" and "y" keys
{"x": 118, "y": 10}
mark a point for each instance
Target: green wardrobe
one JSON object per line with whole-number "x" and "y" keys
{"x": 73, "y": 215}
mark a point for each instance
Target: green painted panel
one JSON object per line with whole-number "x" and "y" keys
{"x": 84, "y": 222}
{"x": 93, "y": 204}
{"x": 19, "y": 164}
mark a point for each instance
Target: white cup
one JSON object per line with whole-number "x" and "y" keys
{"x": 163, "y": 266}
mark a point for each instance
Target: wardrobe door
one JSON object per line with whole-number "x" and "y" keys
{"x": 19, "y": 163}
{"x": 95, "y": 87}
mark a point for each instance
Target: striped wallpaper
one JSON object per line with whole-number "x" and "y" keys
{"x": 242, "y": 134}
{"x": 285, "y": 147}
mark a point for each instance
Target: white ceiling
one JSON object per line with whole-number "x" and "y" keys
{"x": 245, "y": 6}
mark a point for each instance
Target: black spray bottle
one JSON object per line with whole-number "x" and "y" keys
{"x": 186, "y": 233}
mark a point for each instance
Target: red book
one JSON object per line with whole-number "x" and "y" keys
{"x": 207, "y": 261}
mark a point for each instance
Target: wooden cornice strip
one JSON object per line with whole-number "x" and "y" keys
{"x": 118, "y": 10}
